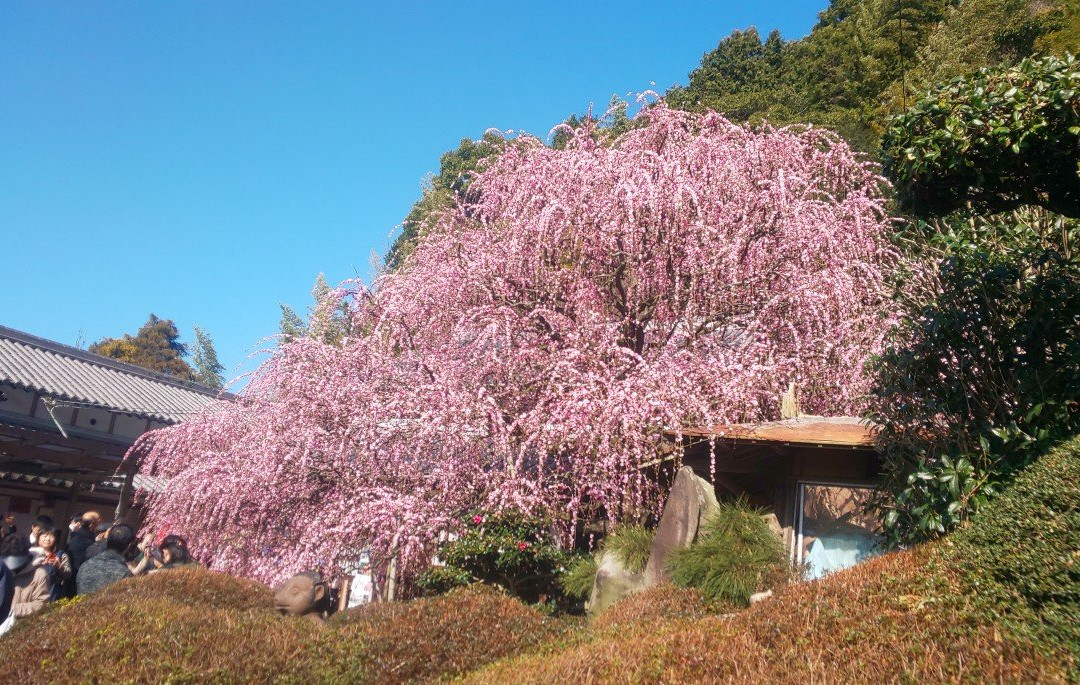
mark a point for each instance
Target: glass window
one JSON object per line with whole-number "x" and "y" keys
{"x": 836, "y": 529}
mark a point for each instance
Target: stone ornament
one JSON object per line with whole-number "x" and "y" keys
{"x": 305, "y": 594}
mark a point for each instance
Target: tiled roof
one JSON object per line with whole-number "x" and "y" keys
{"x": 70, "y": 374}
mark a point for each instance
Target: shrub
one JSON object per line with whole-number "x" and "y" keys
{"x": 428, "y": 638}
{"x": 881, "y": 621}
{"x": 509, "y": 550}
{"x": 186, "y": 625}
{"x": 1019, "y": 560}
{"x": 438, "y": 580}
{"x": 577, "y": 581}
{"x": 192, "y": 625}
{"x": 632, "y": 545}
{"x": 996, "y": 139}
{"x": 736, "y": 555}
{"x": 988, "y": 376}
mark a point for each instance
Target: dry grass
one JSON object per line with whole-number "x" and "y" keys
{"x": 880, "y": 622}
{"x": 195, "y": 626}
{"x": 997, "y": 602}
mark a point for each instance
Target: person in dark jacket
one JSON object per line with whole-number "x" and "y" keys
{"x": 109, "y": 566}
{"x": 81, "y": 538}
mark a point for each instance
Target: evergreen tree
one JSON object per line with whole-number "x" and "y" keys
{"x": 208, "y": 369}
{"x": 156, "y": 347}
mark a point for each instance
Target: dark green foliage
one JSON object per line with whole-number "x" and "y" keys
{"x": 577, "y": 581}
{"x": 736, "y": 555}
{"x": 632, "y": 545}
{"x": 868, "y": 59}
{"x": 996, "y": 140}
{"x": 438, "y": 580}
{"x": 456, "y": 169}
{"x": 509, "y": 550}
{"x": 1019, "y": 561}
{"x": 987, "y": 376}
{"x": 208, "y": 369}
{"x": 837, "y": 76}
{"x": 156, "y": 347}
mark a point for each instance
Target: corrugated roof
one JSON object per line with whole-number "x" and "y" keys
{"x": 74, "y": 375}
{"x": 824, "y": 431}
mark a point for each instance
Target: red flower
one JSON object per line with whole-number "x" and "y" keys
{"x": 523, "y": 545}
{"x": 478, "y": 519}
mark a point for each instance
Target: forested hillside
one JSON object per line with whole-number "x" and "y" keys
{"x": 864, "y": 61}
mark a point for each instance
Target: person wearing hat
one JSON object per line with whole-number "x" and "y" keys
{"x": 32, "y": 588}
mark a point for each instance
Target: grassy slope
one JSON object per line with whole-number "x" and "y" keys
{"x": 997, "y": 601}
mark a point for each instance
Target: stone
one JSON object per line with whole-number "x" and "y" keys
{"x": 691, "y": 502}
{"x": 612, "y": 582}
{"x": 305, "y": 594}
{"x": 760, "y": 596}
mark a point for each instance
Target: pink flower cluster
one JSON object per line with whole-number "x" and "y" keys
{"x": 539, "y": 342}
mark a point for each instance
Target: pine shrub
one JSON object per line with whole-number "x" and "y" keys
{"x": 632, "y": 544}
{"x": 736, "y": 555}
{"x": 577, "y": 581}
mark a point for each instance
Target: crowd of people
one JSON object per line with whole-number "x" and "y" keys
{"x": 41, "y": 567}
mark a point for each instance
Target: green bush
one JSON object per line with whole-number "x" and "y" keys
{"x": 509, "y": 550}
{"x": 995, "y": 140}
{"x": 632, "y": 545}
{"x": 986, "y": 378}
{"x": 1019, "y": 561}
{"x": 438, "y": 580}
{"x": 577, "y": 581}
{"x": 736, "y": 555}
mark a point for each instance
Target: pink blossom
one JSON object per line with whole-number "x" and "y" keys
{"x": 540, "y": 340}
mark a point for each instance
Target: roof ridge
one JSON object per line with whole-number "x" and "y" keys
{"x": 107, "y": 362}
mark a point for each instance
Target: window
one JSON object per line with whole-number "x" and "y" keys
{"x": 835, "y": 530}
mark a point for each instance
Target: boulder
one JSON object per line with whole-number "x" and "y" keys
{"x": 612, "y": 583}
{"x": 691, "y": 502}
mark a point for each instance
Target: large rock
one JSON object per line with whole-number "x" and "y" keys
{"x": 691, "y": 502}
{"x": 612, "y": 583}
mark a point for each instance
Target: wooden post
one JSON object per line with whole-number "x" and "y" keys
{"x": 125, "y": 493}
{"x": 67, "y": 509}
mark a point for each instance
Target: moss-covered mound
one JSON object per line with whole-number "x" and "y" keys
{"x": 997, "y": 601}
{"x": 197, "y": 626}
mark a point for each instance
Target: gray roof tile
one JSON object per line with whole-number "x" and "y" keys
{"x": 71, "y": 374}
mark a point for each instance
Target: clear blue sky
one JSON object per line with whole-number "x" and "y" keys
{"x": 205, "y": 160}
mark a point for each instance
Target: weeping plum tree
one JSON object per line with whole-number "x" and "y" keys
{"x": 538, "y": 342}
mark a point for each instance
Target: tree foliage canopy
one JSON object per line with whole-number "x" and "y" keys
{"x": 156, "y": 346}
{"x": 867, "y": 59}
{"x": 996, "y": 140}
{"x": 541, "y": 338}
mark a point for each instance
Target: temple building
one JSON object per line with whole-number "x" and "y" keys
{"x": 814, "y": 474}
{"x": 68, "y": 416}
